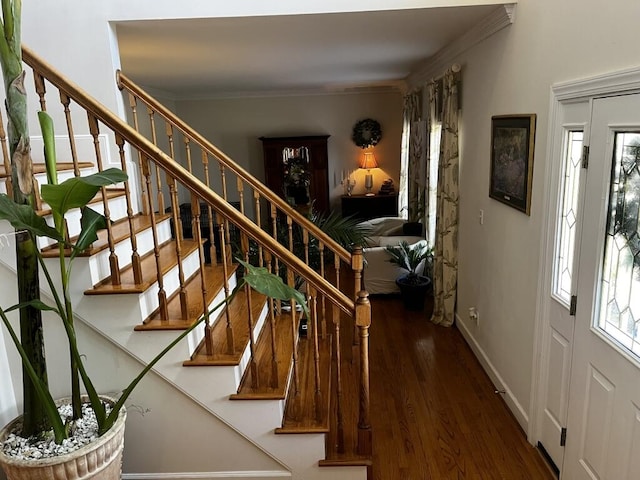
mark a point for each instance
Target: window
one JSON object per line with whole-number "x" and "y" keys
{"x": 568, "y": 216}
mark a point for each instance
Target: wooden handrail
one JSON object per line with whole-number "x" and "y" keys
{"x": 125, "y": 82}
{"x": 188, "y": 180}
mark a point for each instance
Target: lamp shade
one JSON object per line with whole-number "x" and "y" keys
{"x": 368, "y": 161}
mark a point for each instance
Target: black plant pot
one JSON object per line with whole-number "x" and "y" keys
{"x": 414, "y": 292}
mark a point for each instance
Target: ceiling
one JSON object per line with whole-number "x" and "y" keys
{"x": 290, "y": 53}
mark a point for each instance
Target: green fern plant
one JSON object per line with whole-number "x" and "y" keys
{"x": 408, "y": 257}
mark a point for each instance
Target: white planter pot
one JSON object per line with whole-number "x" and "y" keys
{"x": 100, "y": 460}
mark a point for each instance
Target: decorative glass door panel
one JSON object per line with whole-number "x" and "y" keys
{"x": 619, "y": 314}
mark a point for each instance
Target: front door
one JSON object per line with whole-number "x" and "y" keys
{"x": 603, "y": 425}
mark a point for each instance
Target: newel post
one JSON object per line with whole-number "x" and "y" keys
{"x": 363, "y": 322}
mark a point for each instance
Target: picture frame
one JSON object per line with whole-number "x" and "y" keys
{"x": 512, "y": 149}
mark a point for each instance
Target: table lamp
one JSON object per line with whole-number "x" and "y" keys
{"x": 368, "y": 162}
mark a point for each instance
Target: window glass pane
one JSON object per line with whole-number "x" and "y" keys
{"x": 620, "y": 282}
{"x": 434, "y": 155}
{"x": 568, "y": 215}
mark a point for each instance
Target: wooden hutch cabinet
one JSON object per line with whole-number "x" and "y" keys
{"x": 296, "y": 168}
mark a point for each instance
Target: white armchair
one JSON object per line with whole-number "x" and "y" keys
{"x": 379, "y": 273}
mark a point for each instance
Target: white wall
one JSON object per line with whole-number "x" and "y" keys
{"x": 512, "y": 72}
{"x": 235, "y": 125}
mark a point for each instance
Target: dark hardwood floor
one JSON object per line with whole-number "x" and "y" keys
{"x": 434, "y": 411}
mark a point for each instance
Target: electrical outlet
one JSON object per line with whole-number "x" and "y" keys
{"x": 474, "y": 316}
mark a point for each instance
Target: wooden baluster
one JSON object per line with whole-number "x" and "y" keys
{"x": 135, "y": 256}
{"x": 253, "y": 361}
{"x": 357, "y": 265}
{"x": 154, "y": 139}
{"x": 5, "y": 158}
{"x": 240, "y": 188}
{"x": 177, "y": 221}
{"x": 272, "y": 325}
{"x": 187, "y": 150}
{"x": 336, "y": 314}
{"x": 38, "y": 80}
{"x": 223, "y": 179}
{"x": 338, "y": 359}
{"x": 225, "y": 270}
{"x": 113, "y": 258}
{"x": 208, "y": 339}
{"x": 66, "y": 102}
{"x": 294, "y": 313}
{"x": 363, "y": 321}
{"x": 162, "y": 294}
{"x": 274, "y": 225}
{"x": 323, "y": 298}
{"x": 244, "y": 241}
{"x": 41, "y": 90}
{"x": 256, "y": 197}
{"x": 144, "y": 196}
{"x": 212, "y": 243}
{"x": 173, "y": 188}
{"x": 313, "y": 324}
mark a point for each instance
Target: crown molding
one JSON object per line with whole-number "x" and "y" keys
{"x": 435, "y": 65}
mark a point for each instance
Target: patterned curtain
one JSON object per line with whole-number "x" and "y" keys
{"x": 414, "y": 151}
{"x": 445, "y": 267}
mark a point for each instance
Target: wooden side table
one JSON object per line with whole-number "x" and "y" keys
{"x": 365, "y": 207}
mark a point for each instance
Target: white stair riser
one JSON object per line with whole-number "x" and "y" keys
{"x": 171, "y": 283}
{"x": 117, "y": 209}
{"x": 41, "y": 178}
{"x": 100, "y": 262}
{"x": 246, "y": 355}
{"x": 197, "y": 335}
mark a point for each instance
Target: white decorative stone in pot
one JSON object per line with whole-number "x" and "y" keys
{"x": 99, "y": 460}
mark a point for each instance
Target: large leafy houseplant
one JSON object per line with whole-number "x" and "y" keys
{"x": 413, "y": 287}
{"x": 409, "y": 257}
{"x": 74, "y": 193}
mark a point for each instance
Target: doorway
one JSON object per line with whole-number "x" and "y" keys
{"x": 588, "y": 403}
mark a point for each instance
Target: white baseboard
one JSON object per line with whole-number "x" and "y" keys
{"x": 494, "y": 375}
{"x": 207, "y": 475}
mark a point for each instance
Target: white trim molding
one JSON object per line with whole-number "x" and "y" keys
{"x": 207, "y": 475}
{"x": 615, "y": 83}
{"x": 501, "y": 17}
{"x": 500, "y": 385}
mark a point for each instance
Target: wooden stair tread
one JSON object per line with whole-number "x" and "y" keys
{"x": 304, "y": 412}
{"x": 168, "y": 259}
{"x": 120, "y": 231}
{"x": 110, "y": 193}
{"x": 238, "y": 314}
{"x": 213, "y": 280}
{"x": 40, "y": 167}
{"x": 268, "y": 388}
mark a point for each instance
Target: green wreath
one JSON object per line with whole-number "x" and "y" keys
{"x": 366, "y": 133}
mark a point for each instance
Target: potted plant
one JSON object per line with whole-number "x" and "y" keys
{"x": 43, "y": 422}
{"x": 413, "y": 287}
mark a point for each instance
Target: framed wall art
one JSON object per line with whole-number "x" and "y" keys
{"x": 512, "y": 142}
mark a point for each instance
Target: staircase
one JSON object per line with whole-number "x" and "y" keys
{"x": 299, "y": 396}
